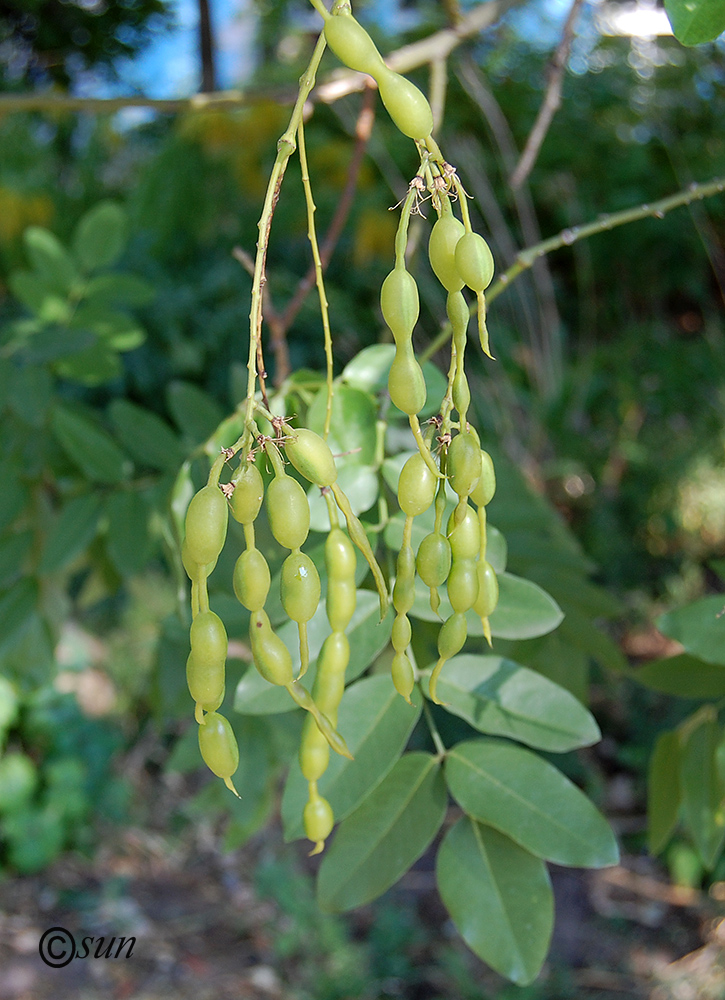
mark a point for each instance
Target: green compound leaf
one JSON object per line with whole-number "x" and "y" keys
{"x": 100, "y": 236}
{"x": 702, "y": 790}
{"x": 499, "y": 897}
{"x": 128, "y": 541}
{"x": 50, "y": 259}
{"x": 93, "y": 450}
{"x": 369, "y": 369}
{"x": 700, "y": 627}
{"x": 385, "y": 835}
{"x": 529, "y": 800}
{"x": 696, "y": 21}
{"x": 146, "y": 436}
{"x": 500, "y": 697}
{"x": 664, "y": 791}
{"x": 524, "y": 610}
{"x": 353, "y": 432}
{"x": 376, "y": 723}
{"x": 195, "y": 413}
{"x": 255, "y": 696}
{"x": 71, "y": 533}
{"x": 683, "y": 675}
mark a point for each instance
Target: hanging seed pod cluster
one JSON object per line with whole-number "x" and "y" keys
{"x": 449, "y": 457}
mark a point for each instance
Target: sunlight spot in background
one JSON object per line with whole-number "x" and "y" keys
{"x": 635, "y": 20}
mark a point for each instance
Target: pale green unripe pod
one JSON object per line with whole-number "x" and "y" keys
{"x": 205, "y": 681}
{"x": 318, "y": 820}
{"x": 406, "y": 105}
{"x": 288, "y": 510}
{"x": 486, "y": 485}
{"x": 218, "y": 745}
{"x": 206, "y": 525}
{"x": 464, "y": 463}
{"x": 400, "y": 303}
{"x": 465, "y": 537}
{"x": 487, "y": 589}
{"x": 434, "y": 559}
{"x": 208, "y": 638}
{"x": 248, "y": 494}
{"x": 416, "y": 486}
{"x": 444, "y": 236}
{"x": 452, "y": 635}
{"x": 406, "y": 382}
{"x": 311, "y": 456}
{"x": 251, "y": 579}
{"x": 474, "y": 261}
{"x": 299, "y": 587}
{"x": 271, "y": 657}
{"x": 340, "y": 558}
{"x": 352, "y": 45}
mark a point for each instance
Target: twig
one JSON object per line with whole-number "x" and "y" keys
{"x": 277, "y": 331}
{"x": 551, "y": 102}
{"x": 527, "y": 257}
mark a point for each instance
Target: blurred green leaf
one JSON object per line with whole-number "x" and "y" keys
{"x": 376, "y": 723}
{"x": 683, "y": 675}
{"x": 54, "y": 343}
{"x": 93, "y": 366}
{"x": 696, "y": 21}
{"x": 119, "y": 289}
{"x": 92, "y": 449}
{"x": 50, "y": 259}
{"x": 14, "y": 550}
{"x": 500, "y": 697}
{"x": 38, "y": 296}
{"x": 702, "y": 791}
{"x": 71, "y": 533}
{"x": 128, "y": 540}
{"x": 195, "y": 413}
{"x": 35, "y": 838}
{"x": 9, "y": 705}
{"x": 369, "y": 369}
{"x": 385, "y": 835}
{"x": 100, "y": 236}
{"x": 664, "y": 792}
{"x": 146, "y": 436}
{"x": 700, "y": 627}
{"x": 16, "y": 609}
{"x": 528, "y": 799}
{"x": 499, "y": 897}
{"x": 353, "y": 432}
{"x": 18, "y": 781}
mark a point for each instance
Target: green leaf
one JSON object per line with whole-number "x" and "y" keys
{"x": 50, "y": 259}
{"x": 97, "y": 364}
{"x": 100, "y": 236}
{"x": 497, "y": 696}
{"x": 683, "y": 675}
{"x": 385, "y": 835}
{"x": 119, "y": 289}
{"x": 54, "y": 343}
{"x": 369, "y": 369}
{"x": 146, "y": 436}
{"x": 529, "y": 800}
{"x": 255, "y": 696}
{"x": 700, "y": 627}
{"x": 9, "y": 704}
{"x": 17, "y": 606}
{"x": 702, "y": 791}
{"x": 353, "y": 431}
{"x": 18, "y": 780}
{"x": 499, "y": 897}
{"x": 93, "y": 450}
{"x": 359, "y": 483}
{"x": 14, "y": 550}
{"x": 71, "y": 533}
{"x": 128, "y": 541}
{"x": 696, "y": 21}
{"x": 524, "y": 610}
{"x": 376, "y": 723}
{"x": 13, "y": 495}
{"x": 664, "y": 792}
{"x": 195, "y": 413}
{"x": 115, "y": 329}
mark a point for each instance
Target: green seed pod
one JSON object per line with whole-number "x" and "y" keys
{"x": 452, "y": 635}
{"x": 248, "y": 494}
{"x": 251, "y": 579}
{"x": 434, "y": 559}
{"x": 192, "y": 568}
{"x": 299, "y": 587}
{"x": 406, "y": 105}
{"x": 271, "y": 657}
{"x": 461, "y": 392}
{"x": 465, "y": 537}
{"x": 406, "y": 383}
{"x": 416, "y": 486}
{"x": 206, "y": 525}
{"x": 402, "y": 633}
{"x": 462, "y": 584}
{"x": 318, "y": 821}
{"x": 464, "y": 463}
{"x": 330, "y": 680}
{"x": 311, "y": 456}
{"x": 403, "y": 675}
{"x": 400, "y": 303}
{"x": 487, "y": 589}
{"x": 486, "y": 486}
{"x": 218, "y": 745}
{"x": 340, "y": 604}
{"x": 352, "y": 45}
{"x": 444, "y": 236}
{"x": 205, "y": 680}
{"x": 340, "y": 558}
{"x": 209, "y": 638}
{"x": 288, "y": 510}
{"x": 314, "y": 755}
{"x": 457, "y": 311}
{"x": 474, "y": 261}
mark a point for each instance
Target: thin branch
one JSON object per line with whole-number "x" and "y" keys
{"x": 527, "y": 257}
{"x": 339, "y": 84}
{"x": 551, "y": 102}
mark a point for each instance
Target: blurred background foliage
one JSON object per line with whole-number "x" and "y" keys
{"x": 124, "y": 346}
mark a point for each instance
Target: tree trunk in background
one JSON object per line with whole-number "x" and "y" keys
{"x": 206, "y": 48}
